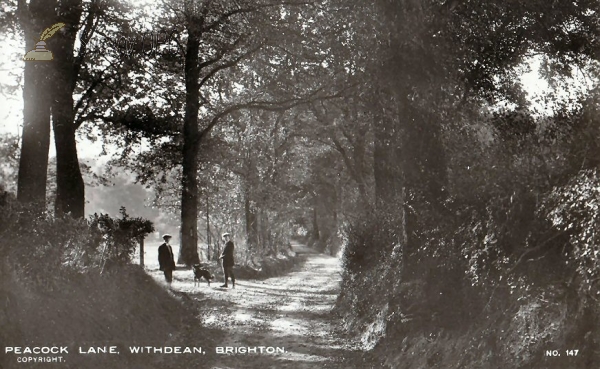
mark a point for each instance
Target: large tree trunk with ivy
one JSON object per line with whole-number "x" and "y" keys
{"x": 70, "y": 188}
{"x": 33, "y": 162}
{"x": 188, "y": 251}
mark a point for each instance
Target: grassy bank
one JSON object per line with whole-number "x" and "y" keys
{"x": 123, "y": 308}
{"x": 67, "y": 283}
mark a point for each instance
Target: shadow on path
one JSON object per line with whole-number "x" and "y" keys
{"x": 291, "y": 313}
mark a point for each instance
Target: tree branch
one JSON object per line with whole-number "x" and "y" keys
{"x": 229, "y": 64}
{"x": 233, "y": 12}
{"x": 86, "y": 95}
{"x": 533, "y": 249}
{"x": 137, "y": 124}
{"x": 88, "y": 32}
{"x": 221, "y": 54}
{"x": 265, "y": 105}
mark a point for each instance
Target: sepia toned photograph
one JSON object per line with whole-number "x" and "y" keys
{"x": 299, "y": 184}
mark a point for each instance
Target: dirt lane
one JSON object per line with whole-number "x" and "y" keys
{"x": 290, "y": 312}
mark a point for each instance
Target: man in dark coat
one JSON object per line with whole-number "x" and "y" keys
{"x": 227, "y": 257}
{"x": 166, "y": 260}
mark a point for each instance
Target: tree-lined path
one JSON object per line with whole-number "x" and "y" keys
{"x": 291, "y": 311}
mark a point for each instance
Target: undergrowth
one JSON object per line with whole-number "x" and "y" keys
{"x": 68, "y": 282}
{"x": 478, "y": 286}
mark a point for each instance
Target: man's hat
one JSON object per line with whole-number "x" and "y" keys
{"x": 166, "y": 235}
{"x": 225, "y": 234}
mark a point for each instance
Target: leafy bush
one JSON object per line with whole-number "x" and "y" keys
{"x": 372, "y": 267}
{"x": 44, "y": 249}
{"x": 47, "y": 250}
{"x": 573, "y": 210}
{"x": 370, "y": 240}
{"x": 119, "y": 236}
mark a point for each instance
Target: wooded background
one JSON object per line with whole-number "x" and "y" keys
{"x": 397, "y": 133}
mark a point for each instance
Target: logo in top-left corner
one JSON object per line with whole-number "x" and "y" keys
{"x": 40, "y": 53}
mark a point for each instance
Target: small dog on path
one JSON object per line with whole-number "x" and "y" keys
{"x": 199, "y": 273}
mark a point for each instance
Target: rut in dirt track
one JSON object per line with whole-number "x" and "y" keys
{"x": 291, "y": 311}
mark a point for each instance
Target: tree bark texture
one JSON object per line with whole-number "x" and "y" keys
{"x": 188, "y": 251}
{"x": 316, "y": 235}
{"x": 251, "y": 222}
{"x": 387, "y": 170}
{"x": 70, "y": 188}
{"x": 251, "y": 207}
{"x": 33, "y": 162}
{"x": 422, "y": 154}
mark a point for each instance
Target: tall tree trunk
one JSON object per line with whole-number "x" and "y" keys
{"x": 251, "y": 222}
{"x": 386, "y": 166}
{"x": 359, "y": 166}
{"x": 265, "y": 232}
{"x": 251, "y": 207}
{"x": 424, "y": 168}
{"x": 188, "y": 250}
{"x": 70, "y": 188}
{"x": 422, "y": 155}
{"x": 33, "y": 162}
{"x": 316, "y": 236}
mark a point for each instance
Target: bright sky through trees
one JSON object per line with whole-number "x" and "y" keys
{"x": 11, "y": 103}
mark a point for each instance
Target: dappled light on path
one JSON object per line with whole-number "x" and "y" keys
{"x": 290, "y": 312}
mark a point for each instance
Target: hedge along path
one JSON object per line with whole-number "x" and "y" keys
{"x": 290, "y": 312}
